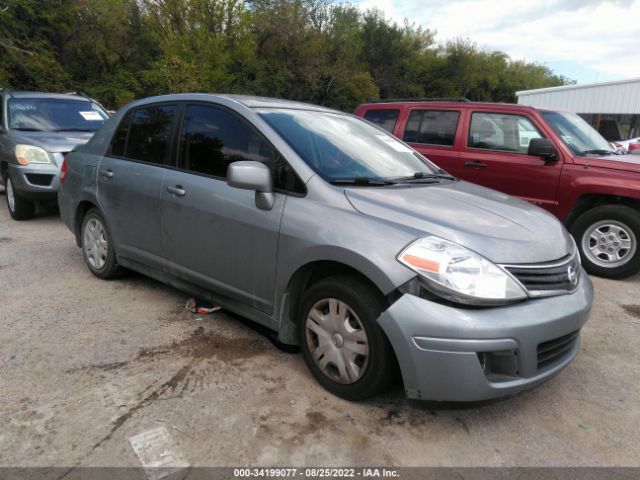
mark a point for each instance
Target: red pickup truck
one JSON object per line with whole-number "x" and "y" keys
{"x": 553, "y": 159}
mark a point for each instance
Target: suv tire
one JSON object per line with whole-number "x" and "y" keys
{"x": 608, "y": 237}
{"x": 19, "y": 207}
{"x": 353, "y": 357}
{"x": 97, "y": 246}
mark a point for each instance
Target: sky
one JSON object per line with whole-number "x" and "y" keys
{"x": 584, "y": 40}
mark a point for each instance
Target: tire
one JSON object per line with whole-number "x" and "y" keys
{"x": 370, "y": 374}
{"x": 602, "y": 234}
{"x": 19, "y": 207}
{"x": 97, "y": 246}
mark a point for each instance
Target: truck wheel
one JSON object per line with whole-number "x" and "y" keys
{"x": 97, "y": 246}
{"x": 607, "y": 237}
{"x": 19, "y": 207}
{"x": 341, "y": 341}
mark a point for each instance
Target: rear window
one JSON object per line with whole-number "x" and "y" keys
{"x": 432, "y": 127}
{"x": 383, "y": 118}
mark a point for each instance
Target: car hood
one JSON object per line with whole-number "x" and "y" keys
{"x": 53, "y": 142}
{"x": 497, "y": 226}
{"x": 628, "y": 162}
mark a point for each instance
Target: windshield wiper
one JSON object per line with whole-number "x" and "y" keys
{"x": 27, "y": 129}
{"x": 597, "y": 151}
{"x": 361, "y": 181}
{"x": 425, "y": 176}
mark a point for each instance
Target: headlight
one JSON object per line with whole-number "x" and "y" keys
{"x": 27, "y": 154}
{"x": 460, "y": 275}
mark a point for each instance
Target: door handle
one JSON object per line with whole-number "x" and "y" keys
{"x": 107, "y": 173}
{"x": 178, "y": 190}
{"x": 475, "y": 164}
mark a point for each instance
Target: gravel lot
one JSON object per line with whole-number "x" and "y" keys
{"x": 87, "y": 364}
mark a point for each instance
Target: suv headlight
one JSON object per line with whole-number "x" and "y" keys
{"x": 26, "y": 154}
{"x": 455, "y": 273}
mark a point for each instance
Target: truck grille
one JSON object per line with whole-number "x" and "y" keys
{"x": 555, "y": 350}
{"x": 546, "y": 279}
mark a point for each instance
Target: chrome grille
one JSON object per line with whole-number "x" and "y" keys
{"x": 546, "y": 279}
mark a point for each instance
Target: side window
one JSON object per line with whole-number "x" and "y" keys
{"x": 506, "y": 132}
{"x": 148, "y": 133}
{"x": 212, "y": 138}
{"x": 432, "y": 127}
{"x": 119, "y": 140}
{"x": 383, "y": 118}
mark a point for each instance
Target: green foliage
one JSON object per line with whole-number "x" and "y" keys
{"x": 312, "y": 50}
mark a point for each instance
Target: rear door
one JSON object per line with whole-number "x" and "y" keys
{"x": 130, "y": 179}
{"x": 213, "y": 234}
{"x": 494, "y": 155}
{"x": 433, "y": 133}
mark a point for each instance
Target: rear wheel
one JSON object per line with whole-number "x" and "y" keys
{"x": 341, "y": 342}
{"x": 97, "y": 246}
{"x": 607, "y": 237}
{"x": 19, "y": 207}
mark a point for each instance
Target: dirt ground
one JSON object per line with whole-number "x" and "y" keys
{"x": 86, "y": 364}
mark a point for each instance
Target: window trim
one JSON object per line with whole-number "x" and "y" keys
{"x": 491, "y": 112}
{"x": 179, "y": 166}
{"x": 422, "y": 109}
{"x": 168, "y": 154}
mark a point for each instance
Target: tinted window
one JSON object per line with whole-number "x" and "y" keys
{"x": 383, "y": 118}
{"x": 213, "y": 138}
{"x": 149, "y": 132}
{"x": 54, "y": 114}
{"x": 433, "y": 127}
{"x": 119, "y": 140}
{"x": 496, "y": 131}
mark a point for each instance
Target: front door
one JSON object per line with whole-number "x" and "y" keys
{"x": 495, "y": 156}
{"x": 213, "y": 234}
{"x": 130, "y": 178}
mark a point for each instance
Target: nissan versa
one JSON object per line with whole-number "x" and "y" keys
{"x": 36, "y": 131}
{"x": 337, "y": 236}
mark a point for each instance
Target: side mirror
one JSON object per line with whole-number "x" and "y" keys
{"x": 542, "y": 147}
{"x": 255, "y": 176}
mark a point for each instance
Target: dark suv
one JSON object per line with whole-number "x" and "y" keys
{"x": 550, "y": 158}
{"x": 36, "y": 131}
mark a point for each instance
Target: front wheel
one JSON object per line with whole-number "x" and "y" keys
{"x": 607, "y": 237}
{"x": 341, "y": 342}
{"x": 19, "y": 207}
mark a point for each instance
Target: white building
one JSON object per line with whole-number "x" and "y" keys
{"x": 611, "y": 107}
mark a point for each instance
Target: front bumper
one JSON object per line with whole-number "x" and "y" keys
{"x": 464, "y": 354}
{"x": 37, "y": 181}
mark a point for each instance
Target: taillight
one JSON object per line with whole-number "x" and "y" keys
{"x": 63, "y": 170}
{"x": 634, "y": 146}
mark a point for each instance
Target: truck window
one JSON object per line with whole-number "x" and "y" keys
{"x": 432, "y": 127}
{"x": 383, "y": 118}
{"x": 505, "y": 132}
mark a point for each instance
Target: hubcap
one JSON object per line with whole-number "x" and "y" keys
{"x": 11, "y": 199}
{"x": 96, "y": 247}
{"x": 337, "y": 341}
{"x": 609, "y": 243}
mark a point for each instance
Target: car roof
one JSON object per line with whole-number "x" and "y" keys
{"x": 434, "y": 104}
{"x": 61, "y": 96}
{"x": 249, "y": 101}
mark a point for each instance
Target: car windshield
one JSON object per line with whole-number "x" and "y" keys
{"x": 342, "y": 148}
{"x": 54, "y": 115}
{"x": 577, "y": 134}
